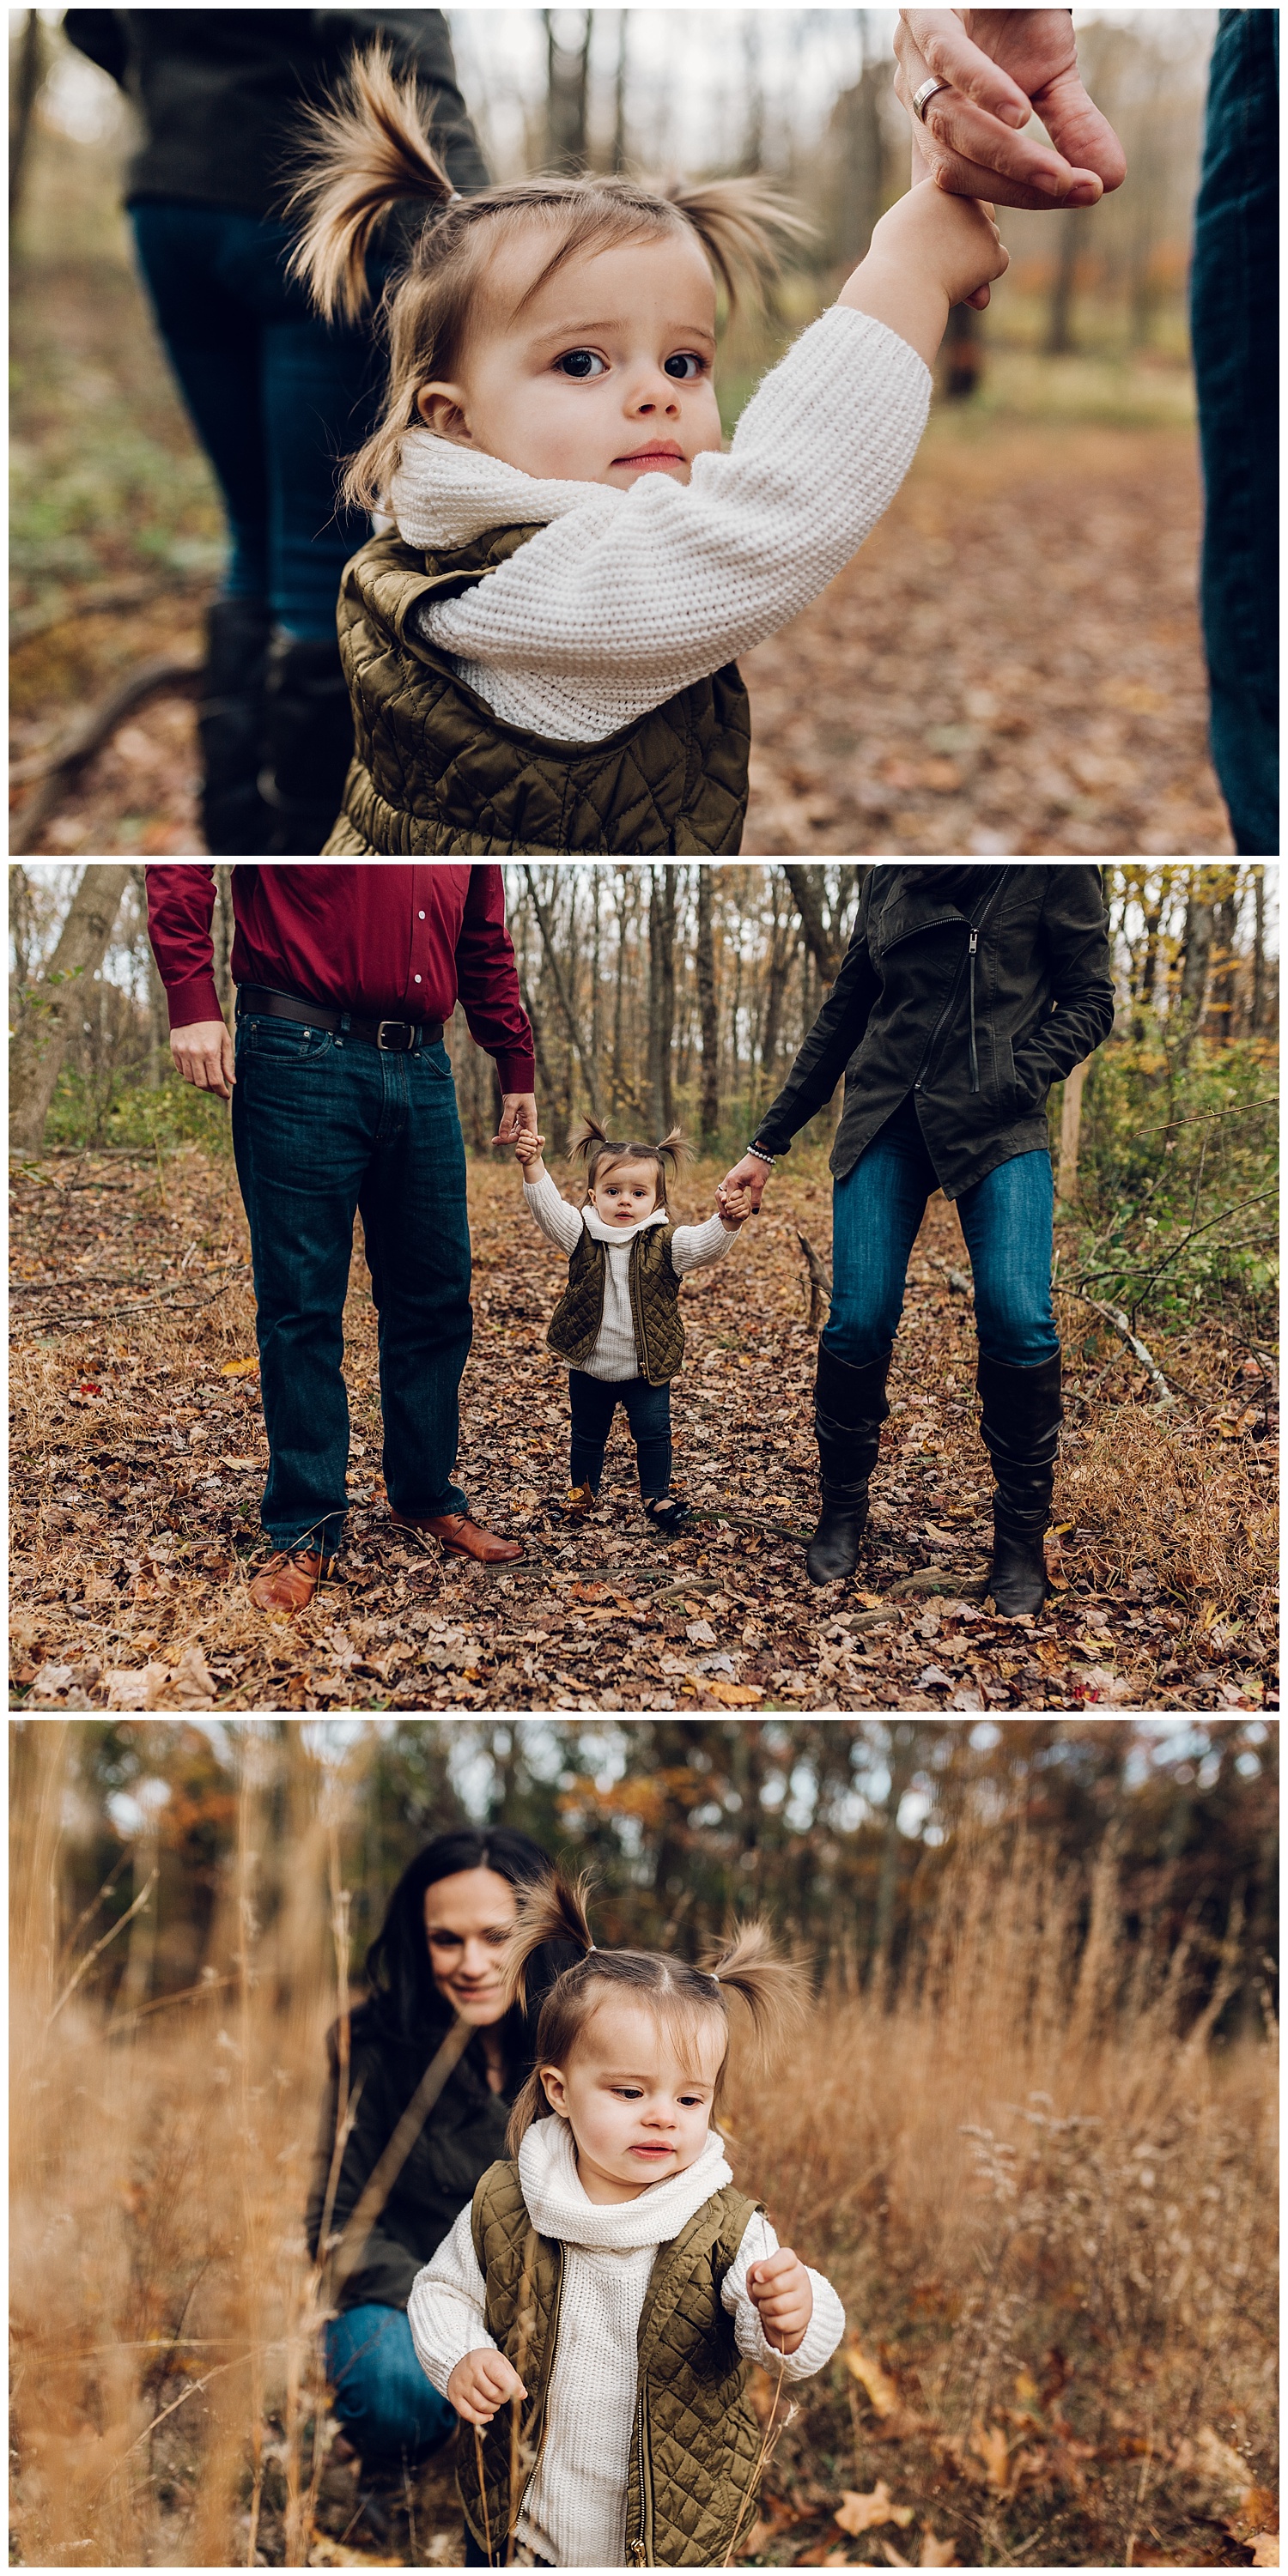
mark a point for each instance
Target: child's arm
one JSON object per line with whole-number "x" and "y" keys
{"x": 786, "y": 2313}
{"x": 695, "y": 1247}
{"x": 624, "y": 598}
{"x": 445, "y": 2310}
{"x": 929, "y": 252}
{"x": 547, "y": 1204}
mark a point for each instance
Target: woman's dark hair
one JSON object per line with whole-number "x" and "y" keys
{"x": 403, "y": 2002}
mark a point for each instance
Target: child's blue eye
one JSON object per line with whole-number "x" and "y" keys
{"x": 581, "y": 363}
{"x": 686, "y": 365}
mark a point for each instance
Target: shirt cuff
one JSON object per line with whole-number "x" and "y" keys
{"x": 516, "y": 1072}
{"x": 197, "y": 999}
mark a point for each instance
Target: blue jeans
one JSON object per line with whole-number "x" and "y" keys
{"x": 383, "y": 2398}
{"x": 876, "y": 1213}
{"x": 323, "y": 1125}
{"x": 1234, "y": 299}
{"x": 594, "y": 1401}
{"x": 277, "y": 397}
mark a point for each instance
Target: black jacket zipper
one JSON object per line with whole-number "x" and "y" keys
{"x": 971, "y": 948}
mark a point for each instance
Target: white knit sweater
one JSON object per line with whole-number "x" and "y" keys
{"x": 693, "y": 1247}
{"x": 624, "y": 598}
{"x": 574, "y": 2512}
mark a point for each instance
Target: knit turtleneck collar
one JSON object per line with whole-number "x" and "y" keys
{"x": 558, "y": 2204}
{"x": 444, "y": 495}
{"x": 601, "y": 1232}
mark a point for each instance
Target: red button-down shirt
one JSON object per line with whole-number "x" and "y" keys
{"x": 380, "y": 940}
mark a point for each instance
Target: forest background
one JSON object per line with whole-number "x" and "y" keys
{"x": 656, "y": 994}
{"x": 1029, "y": 2131}
{"x": 919, "y": 706}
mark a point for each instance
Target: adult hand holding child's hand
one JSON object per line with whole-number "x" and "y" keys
{"x": 481, "y": 2383}
{"x": 528, "y": 1147}
{"x": 778, "y": 2287}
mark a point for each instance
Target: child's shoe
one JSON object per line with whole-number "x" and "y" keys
{"x": 579, "y": 1502}
{"x": 669, "y": 1514}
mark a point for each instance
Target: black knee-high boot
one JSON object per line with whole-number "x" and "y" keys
{"x": 230, "y": 723}
{"x": 1021, "y": 1431}
{"x": 308, "y": 744}
{"x": 849, "y": 1409}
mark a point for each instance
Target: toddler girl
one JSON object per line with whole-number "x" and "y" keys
{"x": 540, "y": 648}
{"x": 618, "y": 1322}
{"x": 609, "y": 2287}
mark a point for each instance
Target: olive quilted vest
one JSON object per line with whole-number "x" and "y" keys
{"x": 695, "y": 2440}
{"x": 435, "y": 772}
{"x": 655, "y": 1304}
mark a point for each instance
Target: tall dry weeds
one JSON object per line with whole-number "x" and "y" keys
{"x": 1049, "y": 2216}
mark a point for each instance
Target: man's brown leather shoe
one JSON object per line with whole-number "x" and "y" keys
{"x": 461, "y": 1536}
{"x": 289, "y": 1580}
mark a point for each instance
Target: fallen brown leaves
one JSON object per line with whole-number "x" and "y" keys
{"x": 138, "y": 1453}
{"x": 1012, "y": 664}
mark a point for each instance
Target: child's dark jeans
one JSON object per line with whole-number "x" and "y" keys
{"x": 594, "y": 1401}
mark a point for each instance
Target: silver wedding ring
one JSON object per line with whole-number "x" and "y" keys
{"x": 921, "y": 97}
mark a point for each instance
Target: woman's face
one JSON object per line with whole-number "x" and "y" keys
{"x": 468, "y": 1920}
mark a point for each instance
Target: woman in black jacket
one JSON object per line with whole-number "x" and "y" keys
{"x": 964, "y": 994}
{"x": 435, "y": 1957}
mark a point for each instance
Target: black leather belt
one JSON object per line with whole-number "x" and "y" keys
{"x": 393, "y": 1037}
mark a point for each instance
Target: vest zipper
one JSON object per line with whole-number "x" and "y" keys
{"x": 644, "y": 2544}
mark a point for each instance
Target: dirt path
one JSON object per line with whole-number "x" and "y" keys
{"x": 138, "y": 1452}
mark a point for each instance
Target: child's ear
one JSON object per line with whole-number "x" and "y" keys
{"x": 556, "y": 2091}
{"x": 441, "y": 408}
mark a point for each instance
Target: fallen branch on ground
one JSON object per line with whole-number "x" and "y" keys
{"x": 1158, "y": 1377}
{"x": 165, "y": 675}
{"x": 820, "y": 1280}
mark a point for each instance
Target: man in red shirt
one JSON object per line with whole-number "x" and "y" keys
{"x": 342, "y": 1098}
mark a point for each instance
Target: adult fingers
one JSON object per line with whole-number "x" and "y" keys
{"x": 959, "y": 178}
{"x": 940, "y": 39}
{"x": 1079, "y": 131}
{"x": 964, "y": 132}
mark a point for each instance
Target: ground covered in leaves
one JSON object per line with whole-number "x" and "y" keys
{"x": 138, "y": 1454}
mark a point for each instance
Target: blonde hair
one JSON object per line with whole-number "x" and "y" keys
{"x": 601, "y": 1154}
{"x": 368, "y": 151}
{"x": 775, "y": 1990}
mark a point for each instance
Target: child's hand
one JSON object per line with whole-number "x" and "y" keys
{"x": 527, "y": 1151}
{"x": 779, "y": 2289}
{"x": 929, "y": 252}
{"x": 481, "y": 2383}
{"x": 735, "y": 1204}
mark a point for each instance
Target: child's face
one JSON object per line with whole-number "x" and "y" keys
{"x": 603, "y": 376}
{"x": 637, "y": 2111}
{"x": 625, "y": 1194}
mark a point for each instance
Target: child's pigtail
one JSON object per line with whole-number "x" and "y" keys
{"x": 776, "y": 1991}
{"x": 589, "y": 1135}
{"x": 672, "y": 1150}
{"x": 368, "y": 149}
{"x": 550, "y": 1909}
{"x": 743, "y": 228}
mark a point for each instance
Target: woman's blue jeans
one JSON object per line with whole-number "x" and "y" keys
{"x": 323, "y": 1125}
{"x": 1234, "y": 308}
{"x": 277, "y": 398}
{"x": 876, "y": 1214}
{"x": 384, "y": 2401}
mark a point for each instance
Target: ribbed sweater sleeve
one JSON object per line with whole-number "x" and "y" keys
{"x": 626, "y": 598}
{"x": 822, "y": 2334}
{"x": 445, "y": 2310}
{"x": 553, "y": 1214}
{"x": 694, "y": 1247}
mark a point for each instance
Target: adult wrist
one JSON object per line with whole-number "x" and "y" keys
{"x": 763, "y": 1155}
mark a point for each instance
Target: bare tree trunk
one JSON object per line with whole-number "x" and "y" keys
{"x": 1225, "y": 926}
{"x": 808, "y": 885}
{"x": 1259, "y": 951}
{"x": 619, "y": 997}
{"x": 567, "y": 81}
{"x": 20, "y": 923}
{"x": 1071, "y": 1129}
{"x": 43, "y": 1031}
{"x": 596, "y": 1011}
{"x": 560, "y": 990}
{"x": 1196, "y": 956}
{"x": 27, "y": 87}
{"x": 158, "y": 1015}
{"x": 1060, "y": 323}
{"x": 619, "y": 95}
{"x": 661, "y": 996}
{"x": 903, "y": 1763}
{"x": 709, "y": 1115}
{"x": 221, "y": 932}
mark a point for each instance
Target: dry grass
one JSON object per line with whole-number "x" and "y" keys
{"x": 1049, "y": 2214}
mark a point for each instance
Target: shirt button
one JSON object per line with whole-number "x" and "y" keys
{"x": 415, "y": 979}
{"x": 420, "y": 916}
